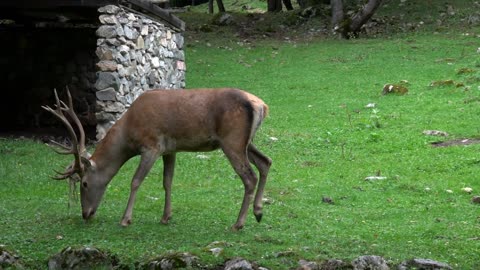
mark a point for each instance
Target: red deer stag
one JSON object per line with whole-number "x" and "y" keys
{"x": 162, "y": 123}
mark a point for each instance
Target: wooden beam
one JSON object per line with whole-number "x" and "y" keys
{"x": 145, "y": 5}
{"x": 159, "y": 12}
{"x": 56, "y": 3}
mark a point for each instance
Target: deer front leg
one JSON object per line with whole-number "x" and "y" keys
{"x": 146, "y": 162}
{"x": 168, "y": 170}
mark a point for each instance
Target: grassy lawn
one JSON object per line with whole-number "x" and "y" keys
{"x": 328, "y": 142}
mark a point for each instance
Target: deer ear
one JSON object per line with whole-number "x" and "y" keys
{"x": 86, "y": 162}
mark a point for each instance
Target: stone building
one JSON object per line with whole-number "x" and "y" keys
{"x": 107, "y": 52}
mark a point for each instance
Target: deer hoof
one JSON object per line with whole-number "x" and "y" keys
{"x": 165, "y": 220}
{"x": 258, "y": 217}
{"x": 236, "y": 228}
{"x": 125, "y": 222}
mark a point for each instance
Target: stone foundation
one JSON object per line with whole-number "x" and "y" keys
{"x": 135, "y": 54}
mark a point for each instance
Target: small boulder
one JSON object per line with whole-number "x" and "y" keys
{"x": 82, "y": 258}
{"x": 334, "y": 264}
{"x": 107, "y": 79}
{"x": 435, "y": 133}
{"x": 327, "y": 200}
{"x": 423, "y": 264}
{"x": 109, "y": 9}
{"x": 391, "y": 88}
{"x": 307, "y": 265}
{"x": 9, "y": 260}
{"x": 238, "y": 264}
{"x": 173, "y": 260}
{"x": 223, "y": 19}
{"x": 476, "y": 200}
{"x": 370, "y": 262}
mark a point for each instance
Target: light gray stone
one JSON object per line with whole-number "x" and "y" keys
{"x": 107, "y": 65}
{"x": 110, "y": 9}
{"x": 238, "y": 264}
{"x": 423, "y": 264}
{"x": 370, "y": 262}
{"x": 144, "y": 30}
{"x": 170, "y": 261}
{"x": 131, "y": 17}
{"x": 106, "y": 31}
{"x": 109, "y": 106}
{"x": 104, "y": 53}
{"x": 123, "y": 20}
{"x": 123, "y": 49}
{"x": 119, "y": 30}
{"x": 225, "y": 19}
{"x": 126, "y": 71}
{"x": 108, "y": 94}
{"x": 106, "y": 80}
{"x": 307, "y": 265}
{"x": 108, "y": 19}
{"x": 179, "y": 40}
{"x": 113, "y": 42}
{"x": 130, "y": 33}
{"x": 155, "y": 62}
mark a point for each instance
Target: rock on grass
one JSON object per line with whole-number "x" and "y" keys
{"x": 82, "y": 258}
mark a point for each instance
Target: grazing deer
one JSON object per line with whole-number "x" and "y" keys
{"x": 162, "y": 123}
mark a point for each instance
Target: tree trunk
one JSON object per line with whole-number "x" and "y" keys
{"x": 274, "y": 5}
{"x": 350, "y": 27}
{"x": 338, "y": 15}
{"x": 210, "y": 6}
{"x": 221, "y": 7}
{"x": 288, "y": 4}
{"x": 363, "y": 15}
{"x": 302, "y": 3}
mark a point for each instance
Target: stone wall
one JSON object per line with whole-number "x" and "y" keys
{"x": 135, "y": 53}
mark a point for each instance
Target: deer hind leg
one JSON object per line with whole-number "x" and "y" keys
{"x": 239, "y": 160}
{"x": 263, "y": 163}
{"x": 146, "y": 162}
{"x": 168, "y": 169}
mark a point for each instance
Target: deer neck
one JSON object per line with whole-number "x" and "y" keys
{"x": 111, "y": 153}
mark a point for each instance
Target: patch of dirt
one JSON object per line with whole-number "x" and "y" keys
{"x": 455, "y": 142}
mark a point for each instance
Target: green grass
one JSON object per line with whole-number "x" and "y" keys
{"x": 250, "y": 21}
{"x": 327, "y": 145}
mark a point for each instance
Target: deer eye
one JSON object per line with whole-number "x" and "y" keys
{"x": 84, "y": 184}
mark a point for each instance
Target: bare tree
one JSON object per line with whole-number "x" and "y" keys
{"x": 288, "y": 4}
{"x": 221, "y": 7}
{"x": 274, "y": 5}
{"x": 350, "y": 27}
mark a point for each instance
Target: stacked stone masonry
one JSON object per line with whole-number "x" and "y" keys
{"x": 135, "y": 53}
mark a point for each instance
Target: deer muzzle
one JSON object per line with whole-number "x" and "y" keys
{"x": 88, "y": 213}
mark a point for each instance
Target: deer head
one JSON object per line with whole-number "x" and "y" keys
{"x": 80, "y": 169}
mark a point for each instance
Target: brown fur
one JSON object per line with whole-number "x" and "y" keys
{"x": 164, "y": 122}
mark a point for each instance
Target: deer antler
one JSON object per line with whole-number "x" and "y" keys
{"x": 78, "y": 148}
